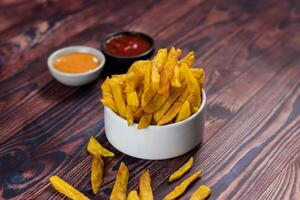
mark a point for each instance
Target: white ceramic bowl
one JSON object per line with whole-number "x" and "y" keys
{"x": 80, "y": 78}
{"x": 155, "y": 142}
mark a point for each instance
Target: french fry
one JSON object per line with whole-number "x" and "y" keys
{"x": 199, "y": 74}
{"x": 138, "y": 114}
{"x": 180, "y": 189}
{"x": 175, "y": 93}
{"x": 97, "y": 173}
{"x": 174, "y": 110}
{"x": 120, "y": 186}
{"x": 148, "y": 91}
{"x": 138, "y": 67}
{"x": 95, "y": 148}
{"x": 182, "y": 170}
{"x": 195, "y": 98}
{"x": 145, "y": 186}
{"x": 145, "y": 120}
{"x": 159, "y": 59}
{"x": 156, "y": 102}
{"x": 109, "y": 102}
{"x": 66, "y": 189}
{"x": 188, "y": 59}
{"x": 201, "y": 193}
{"x": 132, "y": 81}
{"x": 175, "y": 81}
{"x": 133, "y": 195}
{"x": 185, "y": 112}
{"x": 118, "y": 97}
{"x": 132, "y": 99}
{"x": 167, "y": 71}
{"x": 129, "y": 115}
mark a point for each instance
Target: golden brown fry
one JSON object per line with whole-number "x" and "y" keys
{"x": 155, "y": 104}
{"x": 185, "y": 112}
{"x": 133, "y": 195}
{"x": 155, "y": 77}
{"x": 118, "y": 97}
{"x": 175, "y": 80}
{"x": 192, "y": 83}
{"x": 95, "y": 148}
{"x": 138, "y": 67}
{"x": 182, "y": 170}
{"x": 188, "y": 59}
{"x": 66, "y": 189}
{"x": 145, "y": 120}
{"x": 201, "y": 193}
{"x": 138, "y": 114}
{"x": 174, "y": 110}
{"x": 97, "y": 173}
{"x": 175, "y": 93}
{"x": 159, "y": 59}
{"x": 145, "y": 186}
{"x": 148, "y": 92}
{"x": 109, "y": 102}
{"x": 199, "y": 74}
{"x": 167, "y": 71}
{"x": 132, "y": 81}
{"x": 120, "y": 186}
{"x": 180, "y": 189}
{"x": 129, "y": 115}
{"x": 132, "y": 99}
{"x": 106, "y": 90}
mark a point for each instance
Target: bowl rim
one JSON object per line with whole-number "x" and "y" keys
{"x": 114, "y": 34}
{"x": 80, "y": 48}
{"x": 167, "y": 125}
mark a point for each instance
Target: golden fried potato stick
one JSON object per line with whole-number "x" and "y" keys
{"x": 133, "y": 195}
{"x": 192, "y": 83}
{"x": 188, "y": 59}
{"x": 155, "y": 104}
{"x": 138, "y": 67}
{"x": 174, "y": 110}
{"x": 106, "y": 90}
{"x": 120, "y": 186}
{"x": 138, "y": 114}
{"x": 185, "y": 112}
{"x": 182, "y": 170}
{"x": 95, "y": 148}
{"x": 145, "y": 120}
{"x": 129, "y": 117}
{"x": 66, "y": 189}
{"x": 148, "y": 91}
{"x": 175, "y": 80}
{"x": 132, "y": 81}
{"x": 201, "y": 193}
{"x": 160, "y": 59}
{"x": 167, "y": 71}
{"x": 132, "y": 99}
{"x": 175, "y": 93}
{"x": 109, "y": 102}
{"x": 97, "y": 173}
{"x": 145, "y": 186}
{"x": 199, "y": 74}
{"x": 180, "y": 189}
{"x": 118, "y": 97}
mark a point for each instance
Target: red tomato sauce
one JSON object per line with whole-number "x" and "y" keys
{"x": 127, "y": 45}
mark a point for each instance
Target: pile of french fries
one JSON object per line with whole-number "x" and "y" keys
{"x": 160, "y": 91}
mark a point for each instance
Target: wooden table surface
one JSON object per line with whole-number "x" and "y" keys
{"x": 249, "y": 49}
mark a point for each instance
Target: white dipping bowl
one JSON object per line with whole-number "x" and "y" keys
{"x": 155, "y": 142}
{"x": 75, "y": 79}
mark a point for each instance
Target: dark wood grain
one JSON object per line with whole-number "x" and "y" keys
{"x": 249, "y": 49}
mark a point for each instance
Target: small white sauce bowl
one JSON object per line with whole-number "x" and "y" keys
{"x": 155, "y": 142}
{"x": 75, "y": 79}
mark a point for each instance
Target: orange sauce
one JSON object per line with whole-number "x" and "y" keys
{"x": 76, "y": 62}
